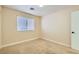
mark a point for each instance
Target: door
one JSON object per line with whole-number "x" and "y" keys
{"x": 75, "y": 30}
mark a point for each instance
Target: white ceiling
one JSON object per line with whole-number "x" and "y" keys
{"x": 39, "y": 11}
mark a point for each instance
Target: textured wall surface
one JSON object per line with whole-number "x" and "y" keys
{"x": 57, "y": 26}
{"x": 0, "y": 25}
{"x": 10, "y": 33}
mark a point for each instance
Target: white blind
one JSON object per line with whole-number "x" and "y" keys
{"x": 25, "y": 24}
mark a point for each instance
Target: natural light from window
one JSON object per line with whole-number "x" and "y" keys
{"x": 25, "y": 24}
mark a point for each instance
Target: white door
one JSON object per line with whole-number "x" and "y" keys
{"x": 75, "y": 30}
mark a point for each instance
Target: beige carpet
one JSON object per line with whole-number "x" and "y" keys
{"x": 38, "y": 46}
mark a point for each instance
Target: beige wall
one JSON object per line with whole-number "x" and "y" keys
{"x": 0, "y": 24}
{"x": 10, "y": 34}
{"x": 56, "y": 26}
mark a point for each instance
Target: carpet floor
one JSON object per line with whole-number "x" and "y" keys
{"x": 38, "y": 46}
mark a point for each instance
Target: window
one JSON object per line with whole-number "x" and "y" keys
{"x": 25, "y": 24}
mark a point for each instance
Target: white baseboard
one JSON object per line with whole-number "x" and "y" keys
{"x": 56, "y": 42}
{"x": 14, "y": 43}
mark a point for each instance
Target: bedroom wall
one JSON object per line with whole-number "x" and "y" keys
{"x": 0, "y": 25}
{"x": 57, "y": 26}
{"x": 10, "y": 34}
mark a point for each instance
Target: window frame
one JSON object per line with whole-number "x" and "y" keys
{"x": 26, "y": 29}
